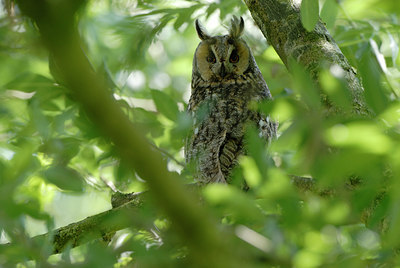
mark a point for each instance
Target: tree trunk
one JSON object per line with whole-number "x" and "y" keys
{"x": 281, "y": 25}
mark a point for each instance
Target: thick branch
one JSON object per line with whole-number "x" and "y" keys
{"x": 279, "y": 21}
{"x": 122, "y": 215}
{"x": 92, "y": 227}
{"x": 124, "y": 211}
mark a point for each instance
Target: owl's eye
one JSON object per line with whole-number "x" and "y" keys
{"x": 211, "y": 59}
{"x": 234, "y": 57}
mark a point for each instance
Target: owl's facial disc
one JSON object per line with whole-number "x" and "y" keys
{"x": 222, "y": 58}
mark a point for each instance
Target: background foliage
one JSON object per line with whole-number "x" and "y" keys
{"x": 56, "y": 168}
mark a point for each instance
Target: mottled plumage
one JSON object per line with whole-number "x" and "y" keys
{"x": 225, "y": 80}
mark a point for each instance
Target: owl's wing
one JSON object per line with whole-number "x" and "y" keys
{"x": 203, "y": 149}
{"x": 209, "y": 163}
{"x": 229, "y": 153}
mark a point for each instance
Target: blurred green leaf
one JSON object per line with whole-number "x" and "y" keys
{"x": 276, "y": 186}
{"x": 335, "y": 169}
{"x": 364, "y": 136}
{"x": 123, "y": 175}
{"x": 371, "y": 79}
{"x": 22, "y": 164}
{"x": 148, "y": 121}
{"x": 65, "y": 178}
{"x": 165, "y": 104}
{"x": 62, "y": 149}
{"x": 256, "y": 148}
{"x": 41, "y": 122}
{"x": 305, "y": 86}
{"x": 233, "y": 202}
{"x": 281, "y": 109}
{"x": 278, "y": 190}
{"x": 335, "y": 88}
{"x": 30, "y": 82}
{"x": 305, "y": 258}
{"x": 329, "y": 12}
{"x": 250, "y": 171}
{"x": 309, "y": 11}
{"x": 391, "y": 116}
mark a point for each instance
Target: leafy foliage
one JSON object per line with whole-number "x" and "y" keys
{"x": 56, "y": 167}
{"x": 309, "y": 13}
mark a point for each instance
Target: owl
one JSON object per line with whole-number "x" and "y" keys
{"x": 225, "y": 81}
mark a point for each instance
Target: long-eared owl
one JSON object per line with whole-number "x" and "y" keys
{"x": 225, "y": 80}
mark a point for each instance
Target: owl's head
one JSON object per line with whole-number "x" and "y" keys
{"x": 225, "y": 57}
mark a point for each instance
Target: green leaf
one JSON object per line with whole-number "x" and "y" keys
{"x": 3, "y": 167}
{"x": 211, "y": 9}
{"x": 334, "y": 85}
{"x": 352, "y": 162}
{"x": 304, "y": 85}
{"x": 62, "y": 149}
{"x": 123, "y": 174}
{"x": 365, "y": 136}
{"x": 371, "y": 79}
{"x": 147, "y": 121}
{"x": 233, "y": 202}
{"x": 23, "y": 162}
{"x": 309, "y": 12}
{"x": 165, "y": 104}
{"x": 256, "y": 149}
{"x": 329, "y": 12}
{"x": 30, "y": 82}
{"x": 184, "y": 15}
{"x": 65, "y": 178}
{"x": 181, "y": 129}
{"x": 40, "y": 121}
{"x": 250, "y": 171}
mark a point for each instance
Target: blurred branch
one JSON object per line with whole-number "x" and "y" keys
{"x": 167, "y": 154}
{"x": 92, "y": 227}
{"x": 124, "y": 214}
{"x": 56, "y": 21}
{"x": 281, "y": 25}
{"x": 8, "y": 6}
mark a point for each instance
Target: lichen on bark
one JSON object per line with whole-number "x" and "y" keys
{"x": 280, "y": 23}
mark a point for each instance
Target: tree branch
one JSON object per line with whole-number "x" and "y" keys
{"x": 93, "y": 227}
{"x": 121, "y": 216}
{"x": 281, "y": 25}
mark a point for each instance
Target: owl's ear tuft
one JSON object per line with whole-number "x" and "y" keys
{"x": 201, "y": 32}
{"x": 237, "y": 27}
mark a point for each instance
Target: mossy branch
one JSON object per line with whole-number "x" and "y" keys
{"x": 122, "y": 215}
{"x": 93, "y": 227}
{"x": 281, "y": 25}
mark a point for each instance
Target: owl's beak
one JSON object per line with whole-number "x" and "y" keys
{"x": 222, "y": 71}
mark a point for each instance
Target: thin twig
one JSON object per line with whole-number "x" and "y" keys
{"x": 167, "y": 154}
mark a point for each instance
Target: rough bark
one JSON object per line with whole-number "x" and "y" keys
{"x": 93, "y": 227}
{"x": 280, "y": 22}
{"x": 123, "y": 215}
